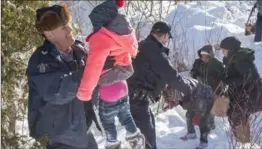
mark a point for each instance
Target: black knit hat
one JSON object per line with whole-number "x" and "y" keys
{"x": 230, "y": 43}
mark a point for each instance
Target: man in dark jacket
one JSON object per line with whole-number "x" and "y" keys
{"x": 152, "y": 73}
{"x": 208, "y": 70}
{"x": 244, "y": 81}
{"x": 55, "y": 115}
{"x": 258, "y": 34}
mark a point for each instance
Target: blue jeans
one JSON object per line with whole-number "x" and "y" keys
{"x": 107, "y": 113}
{"x": 258, "y": 35}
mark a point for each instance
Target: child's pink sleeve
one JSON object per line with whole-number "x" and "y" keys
{"x": 96, "y": 58}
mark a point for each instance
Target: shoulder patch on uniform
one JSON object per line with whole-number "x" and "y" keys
{"x": 44, "y": 52}
{"x": 42, "y": 67}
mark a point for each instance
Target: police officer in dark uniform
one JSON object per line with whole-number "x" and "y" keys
{"x": 152, "y": 73}
{"x": 56, "y": 117}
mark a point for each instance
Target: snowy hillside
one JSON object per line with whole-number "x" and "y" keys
{"x": 194, "y": 25}
{"x": 207, "y": 22}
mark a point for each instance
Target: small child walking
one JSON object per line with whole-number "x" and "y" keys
{"x": 198, "y": 106}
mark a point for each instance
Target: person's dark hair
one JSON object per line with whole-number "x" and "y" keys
{"x": 231, "y": 43}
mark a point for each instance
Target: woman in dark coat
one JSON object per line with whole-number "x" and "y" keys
{"x": 243, "y": 80}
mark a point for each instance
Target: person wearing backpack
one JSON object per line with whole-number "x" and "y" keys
{"x": 244, "y": 83}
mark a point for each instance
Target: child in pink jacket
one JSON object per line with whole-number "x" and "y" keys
{"x": 113, "y": 36}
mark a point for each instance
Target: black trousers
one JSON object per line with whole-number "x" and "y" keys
{"x": 203, "y": 126}
{"x": 144, "y": 119}
{"x": 91, "y": 144}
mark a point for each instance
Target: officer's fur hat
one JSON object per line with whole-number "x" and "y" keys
{"x": 49, "y": 18}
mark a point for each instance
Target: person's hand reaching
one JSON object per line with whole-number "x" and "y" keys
{"x": 169, "y": 99}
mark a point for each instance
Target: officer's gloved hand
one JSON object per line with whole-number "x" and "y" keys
{"x": 169, "y": 99}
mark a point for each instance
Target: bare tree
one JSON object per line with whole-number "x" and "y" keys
{"x": 246, "y": 120}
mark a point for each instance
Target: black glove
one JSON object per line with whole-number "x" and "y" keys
{"x": 169, "y": 99}
{"x": 90, "y": 115}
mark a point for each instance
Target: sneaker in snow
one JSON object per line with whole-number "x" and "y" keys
{"x": 113, "y": 145}
{"x": 189, "y": 136}
{"x": 136, "y": 141}
{"x": 202, "y": 146}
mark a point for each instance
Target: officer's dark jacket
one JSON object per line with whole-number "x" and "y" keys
{"x": 53, "y": 109}
{"x": 153, "y": 70}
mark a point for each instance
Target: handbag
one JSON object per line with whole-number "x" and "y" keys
{"x": 221, "y": 104}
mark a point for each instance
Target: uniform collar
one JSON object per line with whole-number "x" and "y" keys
{"x": 48, "y": 46}
{"x": 151, "y": 37}
{"x": 56, "y": 53}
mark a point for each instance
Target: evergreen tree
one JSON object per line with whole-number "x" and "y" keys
{"x": 19, "y": 39}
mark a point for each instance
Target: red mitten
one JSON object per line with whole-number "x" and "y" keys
{"x": 196, "y": 120}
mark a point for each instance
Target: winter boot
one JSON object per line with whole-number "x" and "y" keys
{"x": 202, "y": 145}
{"x": 136, "y": 140}
{"x": 113, "y": 145}
{"x": 190, "y": 136}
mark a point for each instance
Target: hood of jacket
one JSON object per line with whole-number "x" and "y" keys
{"x": 116, "y": 44}
{"x": 120, "y": 25}
{"x": 207, "y": 49}
{"x": 102, "y": 14}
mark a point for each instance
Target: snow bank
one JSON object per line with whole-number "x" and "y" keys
{"x": 206, "y": 22}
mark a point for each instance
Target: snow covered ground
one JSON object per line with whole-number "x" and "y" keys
{"x": 194, "y": 25}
